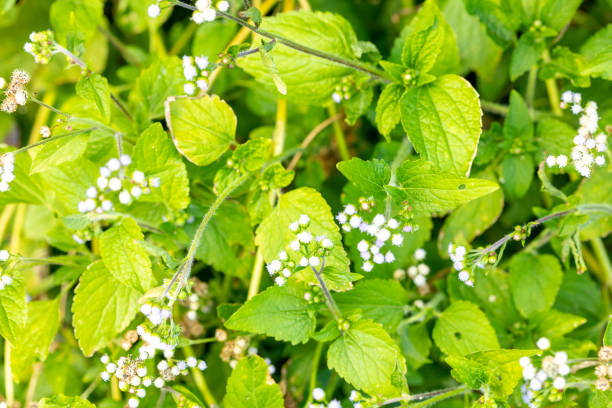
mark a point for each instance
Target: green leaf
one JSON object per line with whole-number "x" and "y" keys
{"x": 598, "y": 53}
{"x": 477, "y": 50}
{"x": 66, "y": 184}
{"x": 125, "y": 257}
{"x": 482, "y": 213}
{"x": 421, "y": 48}
{"x": 600, "y": 399}
{"x": 56, "y": 152}
{"x": 430, "y": 190}
{"x": 248, "y": 386}
{"x": 227, "y": 242}
{"x": 160, "y": 80}
{"x": 558, "y": 13}
{"x": 75, "y": 19}
{"x": 13, "y": 310}
{"x": 553, "y": 323}
{"x": 499, "y": 370}
{"x": 596, "y": 190}
{"x": 24, "y": 188}
{"x": 279, "y": 311}
{"x": 358, "y": 105}
{"x": 555, "y": 137}
{"x": 379, "y": 300}
{"x": 34, "y": 342}
{"x": 536, "y": 279}
{"x": 94, "y": 87}
{"x": 443, "y": 121}
{"x": 273, "y": 234}
{"x": 309, "y": 79}
{"x": 254, "y": 14}
{"x": 62, "y": 401}
{"x": 500, "y": 18}
{"x": 415, "y": 342}
{"x": 102, "y": 308}
{"x": 518, "y": 124}
{"x": 567, "y": 64}
{"x": 607, "y": 338}
{"x": 203, "y": 129}
{"x": 447, "y": 60}
{"x": 517, "y": 174}
{"x": 388, "y": 109}
{"x": 526, "y": 54}
{"x": 369, "y": 176}
{"x": 367, "y": 358}
{"x": 463, "y": 329}
{"x": 156, "y": 156}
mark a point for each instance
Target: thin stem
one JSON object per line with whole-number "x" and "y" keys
{"x": 357, "y": 65}
{"x": 5, "y": 218}
{"x": 115, "y": 391}
{"x": 280, "y": 129}
{"x": 305, "y": 5}
{"x": 551, "y": 89}
{"x": 183, "y": 39}
{"x": 311, "y": 136}
{"x": 51, "y": 108}
{"x": 185, "y": 269}
{"x": 313, "y": 372}
{"x": 502, "y": 110}
{"x": 200, "y": 380}
{"x": 257, "y": 273}
{"x": 531, "y": 86}
{"x": 202, "y": 341}
{"x": 431, "y": 397}
{"x": 329, "y": 300}
{"x": 69, "y": 117}
{"x": 125, "y": 53}
{"x": 52, "y": 139}
{"x": 36, "y": 370}
{"x": 339, "y": 135}
{"x": 91, "y": 387}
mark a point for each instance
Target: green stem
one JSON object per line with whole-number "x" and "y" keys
{"x": 531, "y": 86}
{"x": 439, "y": 397}
{"x": 551, "y": 89}
{"x": 9, "y": 389}
{"x": 313, "y": 372}
{"x": 185, "y": 269}
{"x": 125, "y": 53}
{"x": 329, "y": 300}
{"x": 36, "y": 369}
{"x": 200, "y": 380}
{"x": 502, "y": 110}
{"x": 51, "y": 139}
{"x": 339, "y": 135}
{"x": 360, "y": 66}
{"x": 257, "y": 273}
{"x": 182, "y": 41}
{"x": 202, "y": 341}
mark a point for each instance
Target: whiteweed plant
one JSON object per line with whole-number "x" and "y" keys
{"x": 305, "y": 203}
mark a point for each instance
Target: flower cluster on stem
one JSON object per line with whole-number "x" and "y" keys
{"x": 7, "y": 167}
{"x": 113, "y": 185}
{"x": 15, "y": 94}
{"x": 318, "y": 395}
{"x": 603, "y": 370}
{"x": 380, "y": 233}
{"x": 417, "y": 272}
{"x": 6, "y": 278}
{"x": 196, "y": 72}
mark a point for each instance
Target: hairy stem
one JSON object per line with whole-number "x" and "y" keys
{"x": 339, "y": 135}
{"x": 329, "y": 300}
{"x": 531, "y": 86}
{"x": 357, "y": 65}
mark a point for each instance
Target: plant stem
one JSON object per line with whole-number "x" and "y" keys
{"x": 432, "y": 397}
{"x": 257, "y": 273}
{"x": 310, "y": 137}
{"x": 36, "y": 369}
{"x": 5, "y": 218}
{"x": 551, "y": 89}
{"x": 280, "y": 129}
{"x": 339, "y": 135}
{"x": 200, "y": 380}
{"x": 502, "y": 110}
{"x": 360, "y": 66}
{"x": 51, "y": 139}
{"x": 91, "y": 387}
{"x": 329, "y": 300}
{"x": 115, "y": 391}
{"x": 202, "y": 341}
{"x": 183, "y": 39}
{"x": 70, "y": 117}
{"x": 185, "y": 269}
{"x": 531, "y": 86}
{"x": 125, "y": 53}
{"x": 313, "y": 372}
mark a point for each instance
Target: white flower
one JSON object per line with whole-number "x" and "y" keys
{"x": 392, "y": 223}
{"x": 355, "y": 221}
{"x": 209, "y": 14}
{"x": 379, "y": 220}
{"x": 154, "y": 10}
{"x": 189, "y": 72}
{"x": 535, "y": 385}
{"x": 286, "y": 273}
{"x": 92, "y": 192}
{"x": 282, "y": 255}
{"x": 397, "y": 239}
{"x": 141, "y": 393}
{"x": 45, "y": 131}
{"x": 354, "y": 395}
{"x": 342, "y": 218}
{"x": 314, "y": 261}
{"x": 303, "y": 220}
{"x": 305, "y": 237}
{"x": 389, "y": 257}
{"x": 567, "y": 96}
{"x": 21, "y": 97}
{"x": 114, "y": 184}
{"x": 336, "y": 97}
{"x": 274, "y": 266}
{"x": 363, "y": 245}
{"x": 543, "y": 343}
{"x": 125, "y": 198}
{"x": 559, "y": 383}
{"x": 201, "y": 62}
{"x": 294, "y": 245}
{"x": 561, "y": 357}
{"x": 600, "y": 160}
{"x": 318, "y": 394}
{"x": 334, "y": 404}
{"x": 383, "y": 234}
{"x": 350, "y": 209}
{"x": 367, "y": 266}
{"x": 4, "y": 255}
{"x": 133, "y": 402}
{"x": 189, "y": 88}
{"x": 202, "y": 365}
{"x": 551, "y": 161}
{"x": 136, "y": 191}
{"x": 420, "y": 280}
{"x": 279, "y": 280}
{"x": 564, "y": 369}
{"x": 420, "y": 254}
{"x": 576, "y": 109}
{"x": 524, "y": 362}
{"x": 294, "y": 226}
{"x": 192, "y": 362}
{"x": 464, "y": 276}
{"x": 326, "y": 243}
{"x": 107, "y": 205}
{"x": 562, "y": 160}
{"x": 379, "y": 258}
{"x": 113, "y": 164}
{"x": 202, "y": 84}
{"x": 303, "y": 261}
{"x": 125, "y": 160}
{"x": 365, "y": 255}
{"x": 2, "y": 83}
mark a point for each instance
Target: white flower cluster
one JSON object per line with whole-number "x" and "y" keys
{"x": 546, "y": 381}
{"x": 193, "y": 303}
{"x": 134, "y": 379}
{"x": 156, "y": 313}
{"x": 418, "y": 273}
{"x": 5, "y": 278}
{"x": 15, "y": 94}
{"x": 205, "y": 11}
{"x": 42, "y": 46}
{"x": 355, "y": 397}
{"x": 113, "y": 182}
{"x": 196, "y": 74}
{"x": 590, "y": 145}
{"x": 7, "y": 166}
{"x": 319, "y": 396}
{"x": 457, "y": 255}
{"x": 381, "y": 233}
{"x": 305, "y": 251}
